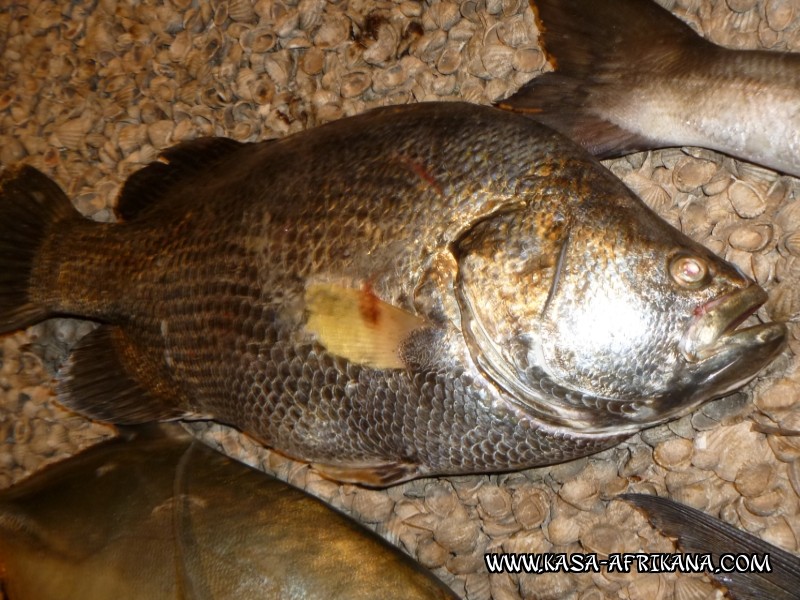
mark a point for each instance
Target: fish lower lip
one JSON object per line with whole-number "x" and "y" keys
{"x": 715, "y": 324}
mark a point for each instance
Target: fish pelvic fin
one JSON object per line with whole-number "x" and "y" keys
{"x": 374, "y": 475}
{"x": 176, "y": 166}
{"x": 103, "y": 379}
{"x": 31, "y": 207}
{"x": 600, "y": 50}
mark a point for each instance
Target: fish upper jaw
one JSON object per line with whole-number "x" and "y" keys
{"x": 713, "y": 333}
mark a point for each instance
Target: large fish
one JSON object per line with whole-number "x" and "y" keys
{"x": 165, "y": 518}
{"x": 699, "y": 533}
{"x": 427, "y": 289}
{"x": 628, "y": 75}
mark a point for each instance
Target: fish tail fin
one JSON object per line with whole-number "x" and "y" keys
{"x": 598, "y": 50}
{"x": 31, "y": 205}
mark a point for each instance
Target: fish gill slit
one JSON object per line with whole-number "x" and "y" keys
{"x": 562, "y": 254}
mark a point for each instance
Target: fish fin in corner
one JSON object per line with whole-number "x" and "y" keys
{"x": 699, "y": 533}
{"x": 358, "y": 326}
{"x": 375, "y": 475}
{"x": 176, "y": 165}
{"x": 599, "y": 49}
{"x": 31, "y": 207}
{"x": 101, "y": 379}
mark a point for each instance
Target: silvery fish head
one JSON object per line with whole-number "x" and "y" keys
{"x": 597, "y": 315}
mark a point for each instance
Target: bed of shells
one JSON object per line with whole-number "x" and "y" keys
{"x": 91, "y": 90}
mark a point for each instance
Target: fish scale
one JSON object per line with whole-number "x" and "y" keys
{"x": 343, "y": 296}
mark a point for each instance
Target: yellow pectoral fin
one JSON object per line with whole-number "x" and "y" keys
{"x": 357, "y": 325}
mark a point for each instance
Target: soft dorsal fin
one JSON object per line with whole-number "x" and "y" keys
{"x": 176, "y": 165}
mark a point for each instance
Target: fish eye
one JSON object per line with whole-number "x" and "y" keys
{"x": 689, "y": 271}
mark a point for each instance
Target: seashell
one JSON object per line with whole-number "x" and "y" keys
{"x": 781, "y": 535}
{"x": 793, "y": 473}
{"x": 648, "y": 586}
{"x": 741, "y": 259}
{"x": 259, "y": 40}
{"x": 500, "y": 528}
{"x": 531, "y": 507}
{"x": 497, "y": 59}
{"x": 461, "y": 31}
{"x": 445, "y": 14}
{"x": 354, "y": 84}
{"x": 751, "y": 237}
{"x": 440, "y": 499}
{"x": 478, "y": 586}
{"x": 604, "y": 539}
{"x": 372, "y": 506}
{"x": 528, "y": 60}
{"x": 767, "y": 503}
{"x": 547, "y": 585}
{"x": 746, "y": 199}
{"x": 72, "y": 133}
{"x": 160, "y": 133}
{"x": 333, "y": 31}
{"x": 764, "y": 268}
{"x": 22, "y": 431}
{"x": 429, "y": 45}
{"x": 563, "y": 530}
{"x": 514, "y": 32}
{"x": 431, "y": 554}
{"x": 457, "y": 535}
{"x": 651, "y": 193}
{"x": 310, "y": 12}
{"x": 726, "y": 449}
{"x": 674, "y": 454}
{"x": 718, "y": 183}
{"x": 780, "y": 13}
{"x": 497, "y": 89}
{"x": 131, "y": 137}
{"x": 385, "y": 47}
{"x": 581, "y": 493}
{"x": 791, "y": 243}
{"x": 692, "y": 174}
{"x": 494, "y": 502}
{"x": 783, "y": 303}
{"x": 242, "y": 11}
{"x": 313, "y": 61}
{"x": 752, "y": 479}
{"x": 450, "y": 59}
{"x": 693, "y": 588}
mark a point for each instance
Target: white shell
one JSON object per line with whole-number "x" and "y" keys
{"x": 747, "y": 200}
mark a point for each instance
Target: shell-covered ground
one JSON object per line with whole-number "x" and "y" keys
{"x": 91, "y": 90}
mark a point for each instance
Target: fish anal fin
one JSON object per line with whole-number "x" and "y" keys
{"x": 357, "y": 325}
{"x": 377, "y": 475}
{"x": 176, "y": 165}
{"x": 103, "y": 377}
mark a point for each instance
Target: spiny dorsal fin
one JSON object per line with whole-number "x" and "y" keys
{"x": 176, "y": 165}
{"x": 358, "y": 326}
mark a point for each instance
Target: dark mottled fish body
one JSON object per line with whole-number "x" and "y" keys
{"x": 428, "y": 289}
{"x": 628, "y": 76}
{"x": 163, "y": 517}
{"x": 699, "y": 533}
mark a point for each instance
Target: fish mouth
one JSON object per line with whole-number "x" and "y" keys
{"x": 714, "y": 333}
